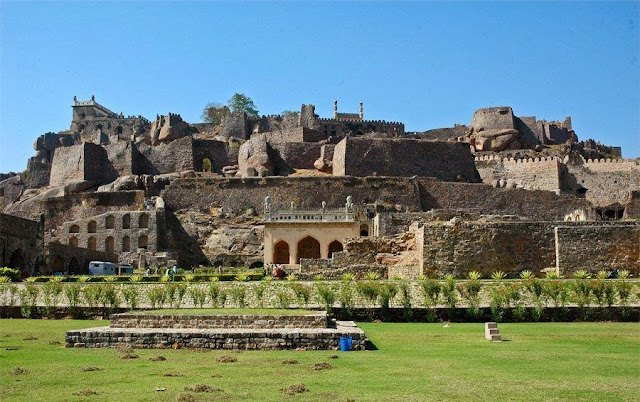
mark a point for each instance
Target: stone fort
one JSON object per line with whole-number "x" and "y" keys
{"x": 321, "y": 195}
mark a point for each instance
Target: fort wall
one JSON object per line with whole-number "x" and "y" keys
{"x": 530, "y": 173}
{"x": 77, "y": 162}
{"x": 21, "y": 243}
{"x": 405, "y": 158}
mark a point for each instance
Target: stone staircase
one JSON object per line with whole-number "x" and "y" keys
{"x": 491, "y": 332}
{"x": 312, "y": 331}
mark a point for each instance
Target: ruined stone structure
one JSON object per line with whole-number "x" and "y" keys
{"x": 501, "y": 193}
{"x": 21, "y": 243}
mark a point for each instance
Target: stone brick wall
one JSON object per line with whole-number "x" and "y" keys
{"x": 405, "y": 158}
{"x": 175, "y": 156}
{"x": 71, "y": 260}
{"x": 597, "y": 247}
{"x": 607, "y": 181}
{"x": 298, "y": 155}
{"x": 124, "y": 159}
{"x": 217, "y": 151}
{"x": 78, "y": 162}
{"x": 530, "y": 174}
{"x": 256, "y": 321}
{"x": 21, "y": 243}
{"x": 239, "y": 194}
{"x": 37, "y": 174}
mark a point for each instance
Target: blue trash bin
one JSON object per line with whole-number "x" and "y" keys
{"x": 345, "y": 343}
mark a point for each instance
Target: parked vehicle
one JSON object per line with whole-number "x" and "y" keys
{"x": 125, "y": 270}
{"x": 102, "y": 268}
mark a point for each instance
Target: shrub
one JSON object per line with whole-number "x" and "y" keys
{"x": 156, "y": 296}
{"x": 217, "y": 295}
{"x": 110, "y": 297}
{"x": 387, "y": 292}
{"x": 51, "y": 292}
{"x": 11, "y": 273}
{"x": 131, "y": 295}
{"x": 581, "y": 274}
{"x": 602, "y": 274}
{"x": 258, "y": 291}
{"x": 189, "y": 278}
{"x": 109, "y": 278}
{"x": 470, "y": 291}
{"x": 9, "y": 293}
{"x": 346, "y": 299}
{"x": 136, "y": 278}
{"x": 405, "y": 300}
{"x": 165, "y": 278}
{"x": 325, "y": 295}
{"x": 474, "y": 275}
{"x": 5, "y": 279}
{"x": 348, "y": 277}
{"x": 554, "y": 274}
{"x": 430, "y": 292}
{"x": 179, "y": 291}
{"x": 284, "y": 297}
{"x": 372, "y": 276}
{"x": 369, "y": 290}
{"x": 244, "y": 277}
{"x": 535, "y": 288}
{"x": 556, "y": 291}
{"x": 92, "y": 295}
{"x": 498, "y": 302}
{"x": 449, "y": 292}
{"x": 302, "y": 292}
{"x": 526, "y": 275}
{"x": 198, "y": 296}
{"x": 498, "y": 275}
{"x": 84, "y": 278}
{"x": 28, "y": 299}
{"x": 238, "y": 295}
{"x": 318, "y": 277}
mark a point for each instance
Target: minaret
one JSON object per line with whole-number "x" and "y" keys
{"x": 361, "y": 111}
{"x": 335, "y": 109}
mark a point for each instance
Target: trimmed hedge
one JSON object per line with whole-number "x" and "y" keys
{"x": 149, "y": 278}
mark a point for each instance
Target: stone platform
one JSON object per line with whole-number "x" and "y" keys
{"x": 243, "y": 332}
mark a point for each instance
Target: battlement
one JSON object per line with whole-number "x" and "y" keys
{"x": 511, "y": 160}
{"x": 331, "y": 120}
{"x": 93, "y": 103}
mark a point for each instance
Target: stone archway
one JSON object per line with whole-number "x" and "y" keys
{"x": 74, "y": 267}
{"x": 334, "y": 247}
{"x": 17, "y": 260}
{"x": 364, "y": 230}
{"x": 58, "y": 265}
{"x": 109, "y": 245}
{"x": 281, "y": 252}
{"x": 308, "y": 248}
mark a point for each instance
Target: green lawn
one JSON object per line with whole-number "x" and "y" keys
{"x": 541, "y": 361}
{"x": 218, "y": 311}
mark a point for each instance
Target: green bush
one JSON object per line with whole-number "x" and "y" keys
{"x": 302, "y": 292}
{"x": 217, "y": 295}
{"x": 238, "y": 295}
{"x": 369, "y": 290}
{"x": 325, "y": 295}
{"x": 11, "y": 273}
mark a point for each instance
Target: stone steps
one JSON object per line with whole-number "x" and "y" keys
{"x": 491, "y": 332}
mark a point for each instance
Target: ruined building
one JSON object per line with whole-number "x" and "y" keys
{"x": 321, "y": 195}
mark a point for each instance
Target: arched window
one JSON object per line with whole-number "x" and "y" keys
{"x": 126, "y": 244}
{"x": 110, "y": 222}
{"x": 91, "y": 243}
{"x": 281, "y": 252}
{"x": 109, "y": 246}
{"x": 206, "y": 165}
{"x": 119, "y": 130}
{"x": 58, "y": 265}
{"x": 126, "y": 221}
{"x": 73, "y": 241}
{"x": 334, "y": 247}
{"x": 143, "y": 221}
{"x": 577, "y": 218}
{"x": 308, "y": 248}
{"x": 74, "y": 229}
{"x": 364, "y": 230}
{"x": 143, "y": 241}
{"x": 92, "y": 227}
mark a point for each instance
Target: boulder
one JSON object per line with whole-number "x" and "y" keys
{"x": 77, "y": 186}
{"x": 168, "y": 128}
{"x": 253, "y": 158}
{"x": 123, "y": 183}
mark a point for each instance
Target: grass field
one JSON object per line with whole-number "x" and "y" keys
{"x": 414, "y": 362}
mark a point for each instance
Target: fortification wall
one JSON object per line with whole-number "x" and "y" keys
{"x": 21, "y": 242}
{"x": 531, "y": 173}
{"x": 516, "y": 246}
{"x": 597, "y": 247}
{"x": 217, "y": 151}
{"x": 294, "y": 134}
{"x": 607, "y": 181}
{"x": 484, "y": 199}
{"x": 298, "y": 155}
{"x": 405, "y": 158}
{"x": 10, "y": 190}
{"x": 239, "y": 194}
{"x": 37, "y": 174}
{"x": 175, "y": 156}
{"x": 124, "y": 159}
{"x": 498, "y": 118}
{"x": 77, "y": 162}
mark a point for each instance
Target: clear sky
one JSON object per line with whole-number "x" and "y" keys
{"x": 427, "y": 64}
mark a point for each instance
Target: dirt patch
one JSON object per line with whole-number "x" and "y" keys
{"x": 158, "y": 359}
{"x": 185, "y": 398}
{"x": 226, "y": 359}
{"x": 321, "y": 366}
{"x": 290, "y": 361}
{"x": 216, "y": 375}
{"x": 294, "y": 389}
{"x": 202, "y": 388}
{"x": 13, "y": 348}
{"x": 55, "y": 343}
{"x": 173, "y": 375}
{"x": 30, "y": 338}
{"x": 19, "y": 371}
{"x": 129, "y": 356}
{"x": 92, "y": 368}
{"x": 85, "y": 392}
{"x": 333, "y": 357}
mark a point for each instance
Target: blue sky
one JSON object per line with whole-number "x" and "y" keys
{"x": 427, "y": 64}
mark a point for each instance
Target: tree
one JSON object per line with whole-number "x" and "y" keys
{"x": 215, "y": 113}
{"x": 242, "y": 103}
